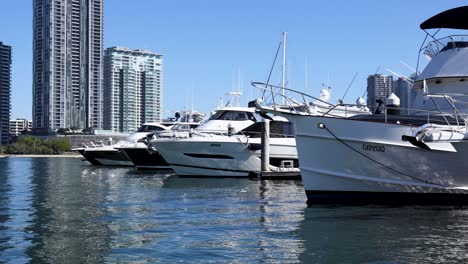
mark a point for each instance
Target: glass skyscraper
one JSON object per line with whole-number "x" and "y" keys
{"x": 5, "y": 93}
{"x": 132, "y": 88}
{"x": 67, "y": 63}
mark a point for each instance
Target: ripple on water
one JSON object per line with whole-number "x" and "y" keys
{"x": 61, "y": 210}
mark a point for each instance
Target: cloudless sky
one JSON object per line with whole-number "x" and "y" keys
{"x": 206, "y": 44}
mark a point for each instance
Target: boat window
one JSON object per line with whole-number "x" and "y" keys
{"x": 180, "y": 127}
{"x": 216, "y": 115}
{"x": 233, "y": 115}
{"x": 184, "y": 127}
{"x": 251, "y": 116}
{"x": 149, "y": 128}
{"x": 227, "y": 115}
{"x": 277, "y": 129}
{"x": 155, "y": 128}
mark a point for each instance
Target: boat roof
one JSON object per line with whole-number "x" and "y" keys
{"x": 154, "y": 124}
{"x": 447, "y": 63}
{"x": 236, "y": 109}
{"x": 453, "y": 18}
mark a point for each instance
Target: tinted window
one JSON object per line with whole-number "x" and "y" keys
{"x": 251, "y": 116}
{"x": 216, "y": 115}
{"x": 155, "y": 128}
{"x": 226, "y": 116}
{"x": 146, "y": 128}
{"x": 230, "y": 115}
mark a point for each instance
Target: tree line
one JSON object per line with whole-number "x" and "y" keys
{"x": 34, "y": 145}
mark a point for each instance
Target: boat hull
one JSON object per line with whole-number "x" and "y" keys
{"x": 107, "y": 158}
{"x": 219, "y": 157}
{"x": 208, "y": 158}
{"x": 144, "y": 159}
{"x": 375, "y": 164}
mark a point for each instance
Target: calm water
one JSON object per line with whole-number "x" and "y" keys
{"x": 60, "y": 210}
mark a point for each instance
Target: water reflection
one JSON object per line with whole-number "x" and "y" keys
{"x": 65, "y": 214}
{"x": 384, "y": 234}
{"x": 16, "y": 202}
{"x": 5, "y": 188}
{"x": 62, "y": 211}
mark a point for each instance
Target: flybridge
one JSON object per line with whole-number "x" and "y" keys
{"x": 453, "y": 18}
{"x": 447, "y": 55}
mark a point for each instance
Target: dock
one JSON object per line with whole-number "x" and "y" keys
{"x": 266, "y": 173}
{"x": 277, "y": 175}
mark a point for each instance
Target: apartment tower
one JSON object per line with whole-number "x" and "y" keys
{"x": 19, "y": 125}
{"x": 5, "y": 93}
{"x": 132, "y": 88}
{"x": 67, "y": 63}
{"x": 378, "y": 87}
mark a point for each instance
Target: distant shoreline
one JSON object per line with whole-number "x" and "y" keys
{"x": 68, "y": 155}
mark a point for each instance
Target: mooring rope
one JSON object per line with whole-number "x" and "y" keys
{"x": 380, "y": 163}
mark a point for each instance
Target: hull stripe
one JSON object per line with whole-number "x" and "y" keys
{"x": 208, "y": 168}
{"x": 385, "y": 198}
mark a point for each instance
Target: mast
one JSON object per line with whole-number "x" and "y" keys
{"x": 283, "y": 74}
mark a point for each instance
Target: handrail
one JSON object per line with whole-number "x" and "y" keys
{"x": 439, "y": 45}
{"x": 254, "y": 84}
{"x": 298, "y": 107}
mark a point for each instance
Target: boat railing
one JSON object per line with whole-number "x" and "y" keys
{"x": 257, "y": 134}
{"x": 432, "y": 45}
{"x": 188, "y": 133}
{"x": 270, "y": 92}
{"x": 327, "y": 108}
{"x": 273, "y": 94}
{"x": 459, "y": 117}
{"x": 436, "y": 45}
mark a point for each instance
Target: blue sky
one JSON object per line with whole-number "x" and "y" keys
{"x": 207, "y": 43}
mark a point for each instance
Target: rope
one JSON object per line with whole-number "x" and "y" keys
{"x": 381, "y": 164}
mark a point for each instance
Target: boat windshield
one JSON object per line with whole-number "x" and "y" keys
{"x": 150, "y": 128}
{"x": 184, "y": 127}
{"x": 277, "y": 129}
{"x": 233, "y": 115}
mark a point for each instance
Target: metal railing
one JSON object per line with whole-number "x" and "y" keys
{"x": 459, "y": 117}
{"x": 436, "y": 45}
{"x": 324, "y": 108}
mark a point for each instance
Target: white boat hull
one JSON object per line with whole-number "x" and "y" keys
{"x": 220, "y": 156}
{"x": 368, "y": 160}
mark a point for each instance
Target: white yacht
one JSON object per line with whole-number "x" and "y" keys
{"x": 224, "y": 119}
{"x": 383, "y": 158}
{"x": 144, "y": 158}
{"x": 237, "y": 155}
{"x": 109, "y": 155}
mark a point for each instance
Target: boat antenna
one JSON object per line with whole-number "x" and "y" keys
{"x": 306, "y": 75}
{"x": 283, "y": 74}
{"x": 407, "y": 66}
{"x": 405, "y": 78}
{"x": 271, "y": 69}
{"x": 349, "y": 86}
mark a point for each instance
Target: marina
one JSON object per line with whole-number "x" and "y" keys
{"x": 287, "y": 174}
{"x": 58, "y": 209}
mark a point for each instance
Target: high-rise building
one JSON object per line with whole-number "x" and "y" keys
{"x": 5, "y": 92}
{"x": 19, "y": 125}
{"x": 404, "y": 90}
{"x": 378, "y": 87}
{"x": 132, "y": 88}
{"x": 67, "y": 63}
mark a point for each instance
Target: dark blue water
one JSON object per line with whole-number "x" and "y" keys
{"x": 60, "y": 210}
